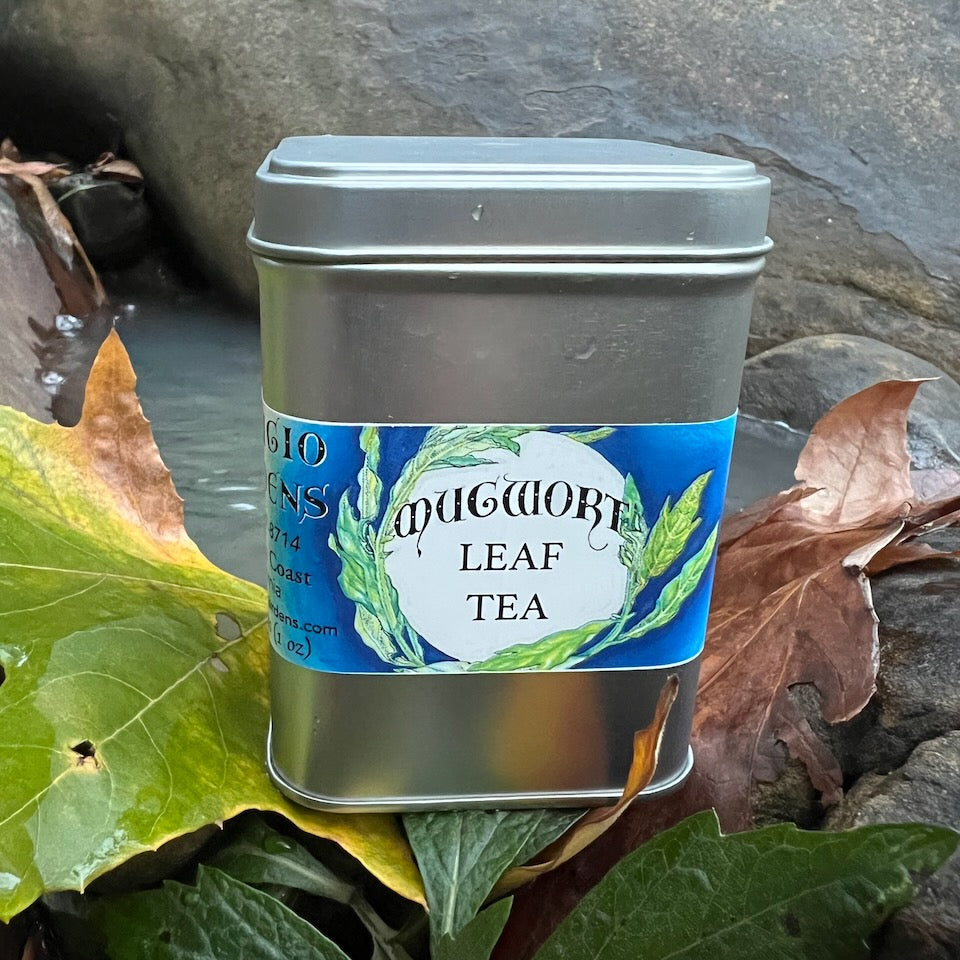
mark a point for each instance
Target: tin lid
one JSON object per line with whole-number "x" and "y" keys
{"x": 401, "y": 198}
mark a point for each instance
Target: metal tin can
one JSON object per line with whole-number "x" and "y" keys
{"x": 500, "y": 380}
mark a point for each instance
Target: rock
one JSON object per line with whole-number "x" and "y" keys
{"x": 799, "y": 382}
{"x": 27, "y": 294}
{"x": 110, "y": 217}
{"x": 53, "y": 313}
{"x": 925, "y": 789}
{"x": 918, "y": 686}
{"x": 853, "y": 124}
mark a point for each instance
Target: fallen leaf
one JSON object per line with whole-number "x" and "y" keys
{"x": 775, "y": 892}
{"x": 791, "y": 605}
{"x": 646, "y": 751}
{"x": 127, "y": 717}
{"x": 8, "y": 150}
{"x": 109, "y": 167}
{"x": 32, "y": 168}
{"x": 463, "y": 853}
{"x": 218, "y": 918}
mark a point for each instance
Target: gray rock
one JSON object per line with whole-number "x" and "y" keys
{"x": 799, "y": 382}
{"x": 856, "y": 125}
{"x": 28, "y": 293}
{"x": 925, "y": 789}
{"x": 918, "y": 686}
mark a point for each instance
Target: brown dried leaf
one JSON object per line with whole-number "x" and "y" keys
{"x": 32, "y": 168}
{"x": 646, "y": 750}
{"x": 66, "y": 261}
{"x": 857, "y": 454}
{"x": 791, "y": 605}
{"x": 8, "y": 150}
{"x": 109, "y": 167}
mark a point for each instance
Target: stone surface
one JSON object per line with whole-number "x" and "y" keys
{"x": 28, "y": 293}
{"x": 53, "y": 314}
{"x": 927, "y": 789}
{"x": 799, "y": 382}
{"x": 918, "y": 686}
{"x": 856, "y": 125}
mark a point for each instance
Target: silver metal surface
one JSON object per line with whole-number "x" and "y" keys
{"x": 439, "y": 280}
{"x": 510, "y": 343}
{"x": 388, "y": 198}
{"x": 426, "y": 741}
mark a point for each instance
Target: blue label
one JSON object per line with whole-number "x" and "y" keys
{"x": 495, "y": 548}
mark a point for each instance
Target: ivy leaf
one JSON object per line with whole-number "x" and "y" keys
{"x": 218, "y": 919}
{"x": 478, "y": 938}
{"x": 133, "y": 692}
{"x": 694, "y": 893}
{"x": 463, "y": 854}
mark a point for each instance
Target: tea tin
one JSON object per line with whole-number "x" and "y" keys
{"x": 500, "y": 381}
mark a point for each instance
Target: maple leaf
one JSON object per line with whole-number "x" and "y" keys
{"x": 133, "y": 695}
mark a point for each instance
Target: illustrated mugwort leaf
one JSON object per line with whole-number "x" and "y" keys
{"x": 127, "y": 718}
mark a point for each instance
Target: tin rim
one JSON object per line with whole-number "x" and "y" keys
{"x": 497, "y": 801}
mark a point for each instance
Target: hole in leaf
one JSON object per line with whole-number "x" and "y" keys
{"x": 791, "y": 924}
{"x": 164, "y": 936}
{"x": 227, "y": 628}
{"x": 218, "y": 664}
{"x": 85, "y": 750}
{"x": 3, "y": 675}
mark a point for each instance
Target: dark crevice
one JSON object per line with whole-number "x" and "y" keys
{"x": 85, "y": 750}
{"x": 3, "y": 675}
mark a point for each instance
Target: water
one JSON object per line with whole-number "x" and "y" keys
{"x": 198, "y": 366}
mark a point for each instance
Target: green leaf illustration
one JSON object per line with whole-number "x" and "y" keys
{"x": 546, "y": 654}
{"x": 218, "y": 919}
{"x": 673, "y": 529}
{"x": 133, "y": 695}
{"x": 370, "y": 486}
{"x": 695, "y": 894}
{"x": 590, "y": 436}
{"x": 463, "y": 854}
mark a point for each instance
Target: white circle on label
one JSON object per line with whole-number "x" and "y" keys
{"x": 473, "y": 579}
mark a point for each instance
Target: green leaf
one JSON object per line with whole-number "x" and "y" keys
{"x": 261, "y": 856}
{"x": 590, "y": 436}
{"x": 218, "y": 919}
{"x": 669, "y": 536}
{"x": 371, "y": 487}
{"x": 266, "y": 858}
{"x": 676, "y": 592}
{"x": 544, "y": 654}
{"x": 463, "y": 854}
{"x": 693, "y": 894}
{"x": 478, "y": 938}
{"x": 459, "y": 460}
{"x": 134, "y": 704}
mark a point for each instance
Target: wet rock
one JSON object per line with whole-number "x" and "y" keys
{"x": 799, "y": 381}
{"x": 918, "y": 686}
{"x": 110, "y": 217}
{"x": 27, "y": 294}
{"x": 926, "y": 789}
{"x": 854, "y": 124}
{"x": 53, "y": 312}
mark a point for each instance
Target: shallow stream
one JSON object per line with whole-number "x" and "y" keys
{"x": 198, "y": 365}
